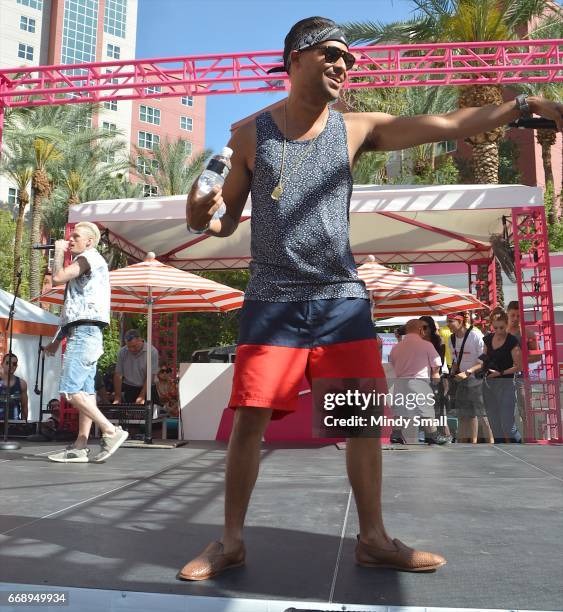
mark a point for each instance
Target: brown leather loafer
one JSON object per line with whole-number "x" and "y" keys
{"x": 404, "y": 558}
{"x": 211, "y": 562}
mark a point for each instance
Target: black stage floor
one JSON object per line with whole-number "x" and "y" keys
{"x": 112, "y": 534}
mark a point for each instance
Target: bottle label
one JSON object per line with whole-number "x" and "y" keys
{"x": 219, "y": 167}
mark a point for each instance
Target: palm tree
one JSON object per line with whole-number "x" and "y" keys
{"x": 461, "y": 20}
{"x": 119, "y": 187}
{"x": 17, "y": 167}
{"x": 45, "y": 154}
{"x": 172, "y": 167}
{"x": 41, "y": 130}
{"x": 82, "y": 173}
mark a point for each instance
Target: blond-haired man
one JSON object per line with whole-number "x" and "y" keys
{"x": 85, "y": 313}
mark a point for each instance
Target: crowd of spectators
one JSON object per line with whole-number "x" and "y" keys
{"x": 476, "y": 377}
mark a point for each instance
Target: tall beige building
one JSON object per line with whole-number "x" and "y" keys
{"x": 51, "y": 32}
{"x": 41, "y": 32}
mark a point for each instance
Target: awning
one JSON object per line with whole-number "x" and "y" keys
{"x": 402, "y": 224}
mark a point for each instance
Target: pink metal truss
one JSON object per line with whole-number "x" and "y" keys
{"x": 383, "y": 257}
{"x": 533, "y": 276}
{"x": 470, "y": 63}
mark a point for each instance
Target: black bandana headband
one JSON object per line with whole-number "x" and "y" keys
{"x": 310, "y": 39}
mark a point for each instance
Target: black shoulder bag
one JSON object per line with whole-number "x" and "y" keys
{"x": 452, "y": 382}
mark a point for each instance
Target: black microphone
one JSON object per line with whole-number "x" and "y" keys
{"x": 534, "y": 123}
{"x": 42, "y": 247}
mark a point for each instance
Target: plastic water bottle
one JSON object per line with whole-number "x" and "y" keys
{"x": 215, "y": 174}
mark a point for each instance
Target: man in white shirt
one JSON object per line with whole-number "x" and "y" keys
{"x": 416, "y": 361}
{"x": 469, "y": 404}
{"x": 84, "y": 314}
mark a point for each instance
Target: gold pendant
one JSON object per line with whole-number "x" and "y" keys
{"x": 278, "y": 190}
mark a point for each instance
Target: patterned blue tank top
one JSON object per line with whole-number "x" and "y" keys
{"x": 300, "y": 244}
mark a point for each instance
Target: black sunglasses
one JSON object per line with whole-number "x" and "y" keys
{"x": 333, "y": 54}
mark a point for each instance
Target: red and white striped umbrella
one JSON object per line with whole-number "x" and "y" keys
{"x": 396, "y": 294}
{"x": 152, "y": 286}
{"x": 170, "y": 290}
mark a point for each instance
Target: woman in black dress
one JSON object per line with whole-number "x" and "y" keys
{"x": 501, "y": 359}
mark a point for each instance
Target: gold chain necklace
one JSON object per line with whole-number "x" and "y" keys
{"x": 278, "y": 189}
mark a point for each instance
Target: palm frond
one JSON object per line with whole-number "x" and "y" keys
{"x": 435, "y": 9}
{"x": 519, "y": 12}
{"x": 551, "y": 27}
{"x": 172, "y": 168}
{"x": 372, "y": 32}
{"x": 504, "y": 254}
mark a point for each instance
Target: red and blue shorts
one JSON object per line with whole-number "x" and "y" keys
{"x": 280, "y": 343}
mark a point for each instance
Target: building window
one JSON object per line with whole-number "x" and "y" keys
{"x": 112, "y": 80}
{"x": 150, "y": 191}
{"x": 147, "y": 166}
{"x": 109, "y": 127}
{"x": 153, "y": 89}
{"x": 36, "y": 4}
{"x": 188, "y": 147}
{"x": 110, "y": 156}
{"x": 188, "y": 100}
{"x": 114, "y": 51}
{"x": 149, "y": 114}
{"x": 13, "y": 195}
{"x": 27, "y": 24}
{"x": 80, "y": 24}
{"x": 115, "y": 17}
{"x": 111, "y": 105}
{"x": 25, "y": 51}
{"x": 446, "y": 146}
{"x": 149, "y": 141}
{"x": 186, "y": 123}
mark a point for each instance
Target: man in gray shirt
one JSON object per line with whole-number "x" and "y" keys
{"x": 130, "y": 377}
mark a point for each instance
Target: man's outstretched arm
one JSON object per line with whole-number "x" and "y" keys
{"x": 383, "y": 132}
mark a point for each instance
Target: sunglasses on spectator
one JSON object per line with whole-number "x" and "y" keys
{"x": 333, "y": 54}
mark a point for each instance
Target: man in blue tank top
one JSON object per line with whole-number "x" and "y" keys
{"x": 306, "y": 312}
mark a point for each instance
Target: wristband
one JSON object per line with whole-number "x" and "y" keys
{"x": 195, "y": 231}
{"x": 523, "y": 106}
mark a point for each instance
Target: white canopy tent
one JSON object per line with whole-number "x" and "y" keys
{"x": 158, "y": 224}
{"x": 30, "y": 324}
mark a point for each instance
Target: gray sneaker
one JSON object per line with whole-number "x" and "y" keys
{"x": 109, "y": 444}
{"x": 71, "y": 455}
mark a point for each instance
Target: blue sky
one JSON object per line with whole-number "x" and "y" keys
{"x": 169, "y": 28}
